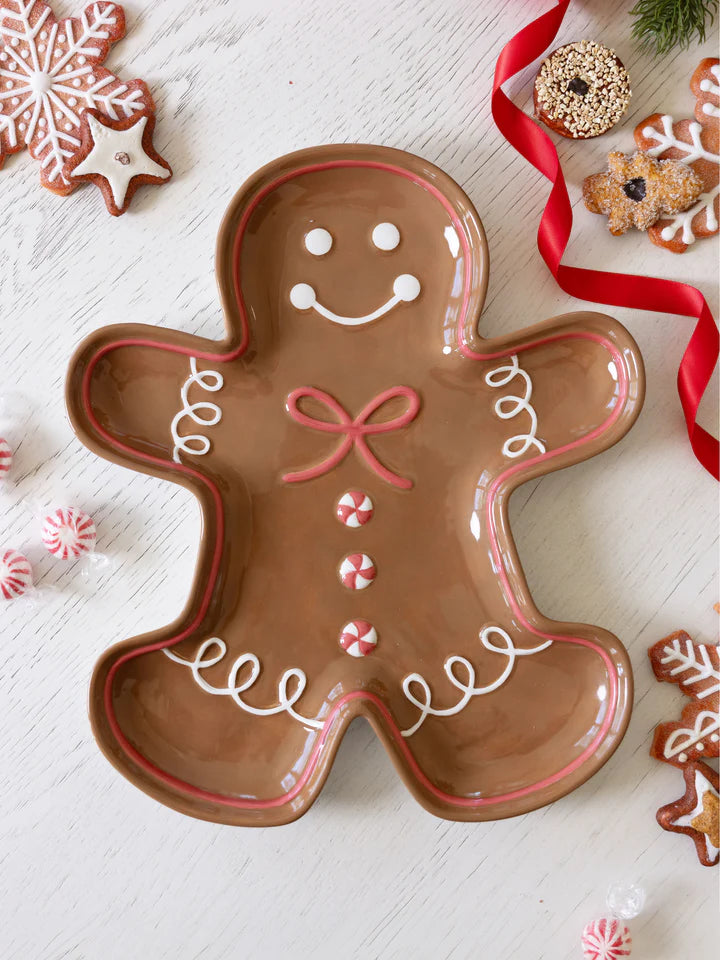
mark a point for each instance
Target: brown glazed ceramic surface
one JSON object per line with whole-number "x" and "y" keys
{"x": 424, "y": 414}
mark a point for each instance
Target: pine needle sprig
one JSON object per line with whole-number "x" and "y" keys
{"x": 661, "y": 25}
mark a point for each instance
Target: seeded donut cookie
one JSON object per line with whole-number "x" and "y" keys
{"x": 581, "y": 90}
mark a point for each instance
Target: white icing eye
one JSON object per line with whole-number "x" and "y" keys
{"x": 406, "y": 287}
{"x": 386, "y": 236}
{"x": 318, "y": 242}
{"x": 302, "y": 296}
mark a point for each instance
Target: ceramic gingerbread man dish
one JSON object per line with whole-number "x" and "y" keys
{"x": 353, "y": 443}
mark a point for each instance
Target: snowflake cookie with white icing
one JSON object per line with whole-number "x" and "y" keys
{"x": 353, "y": 442}
{"x": 696, "y": 143}
{"x": 51, "y": 74}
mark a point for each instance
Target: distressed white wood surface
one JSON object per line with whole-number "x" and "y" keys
{"x": 92, "y": 868}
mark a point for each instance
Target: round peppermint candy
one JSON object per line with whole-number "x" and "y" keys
{"x": 15, "y": 575}
{"x": 68, "y": 533}
{"x": 5, "y": 457}
{"x": 354, "y": 508}
{"x": 357, "y": 571}
{"x": 358, "y": 638}
{"x": 606, "y": 939}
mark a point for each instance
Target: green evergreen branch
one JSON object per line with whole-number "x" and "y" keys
{"x": 661, "y": 25}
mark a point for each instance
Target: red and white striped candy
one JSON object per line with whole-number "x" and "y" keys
{"x": 357, "y": 571}
{"x": 606, "y": 939}
{"x": 354, "y": 508}
{"x": 15, "y": 575}
{"x": 5, "y": 457}
{"x": 358, "y": 638}
{"x": 68, "y": 533}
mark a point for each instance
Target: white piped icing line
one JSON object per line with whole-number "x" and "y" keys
{"x": 196, "y": 444}
{"x": 466, "y": 686}
{"x": 511, "y": 406}
{"x": 406, "y": 288}
{"x": 702, "y": 787}
{"x": 707, "y": 723}
{"x": 692, "y": 151}
{"x": 118, "y": 156}
{"x": 212, "y": 651}
{"x": 707, "y": 86}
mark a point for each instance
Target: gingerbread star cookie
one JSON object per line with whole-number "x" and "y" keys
{"x": 696, "y": 814}
{"x": 636, "y": 191}
{"x": 695, "y": 143}
{"x": 118, "y": 156}
{"x": 50, "y": 74}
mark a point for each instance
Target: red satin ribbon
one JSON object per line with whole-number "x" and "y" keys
{"x": 617, "y": 289}
{"x": 353, "y": 432}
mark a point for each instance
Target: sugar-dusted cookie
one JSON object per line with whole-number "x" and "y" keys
{"x": 581, "y": 90}
{"x": 636, "y": 191}
{"x": 353, "y": 442}
{"x": 697, "y": 813}
{"x": 50, "y": 74}
{"x": 118, "y": 156}
{"x": 697, "y": 144}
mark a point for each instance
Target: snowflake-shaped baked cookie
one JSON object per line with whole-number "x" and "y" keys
{"x": 696, "y": 143}
{"x": 50, "y": 74}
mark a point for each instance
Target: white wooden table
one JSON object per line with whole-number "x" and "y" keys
{"x": 91, "y": 867}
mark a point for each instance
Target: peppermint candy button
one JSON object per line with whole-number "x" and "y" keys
{"x": 358, "y": 638}
{"x": 68, "y": 533}
{"x": 354, "y": 508}
{"x": 15, "y": 575}
{"x": 606, "y": 939}
{"x": 357, "y": 571}
{"x": 5, "y": 457}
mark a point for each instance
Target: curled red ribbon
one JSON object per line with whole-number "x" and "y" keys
{"x": 616, "y": 289}
{"x": 353, "y": 431}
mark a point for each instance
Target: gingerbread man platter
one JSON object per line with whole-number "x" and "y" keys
{"x": 353, "y": 444}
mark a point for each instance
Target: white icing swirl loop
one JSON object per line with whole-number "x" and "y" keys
{"x": 196, "y": 444}
{"x": 465, "y": 686}
{"x": 511, "y": 406}
{"x": 234, "y": 687}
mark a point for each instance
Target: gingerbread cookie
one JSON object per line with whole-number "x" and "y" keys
{"x": 694, "y": 667}
{"x": 636, "y": 191}
{"x": 581, "y": 90}
{"x": 50, "y": 74}
{"x": 697, "y": 144}
{"x": 695, "y": 735}
{"x": 118, "y": 156}
{"x": 353, "y": 443}
{"x": 697, "y": 813}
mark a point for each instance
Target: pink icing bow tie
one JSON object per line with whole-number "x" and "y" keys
{"x": 353, "y": 432}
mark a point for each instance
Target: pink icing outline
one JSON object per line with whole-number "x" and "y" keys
{"x": 423, "y": 780}
{"x": 354, "y": 430}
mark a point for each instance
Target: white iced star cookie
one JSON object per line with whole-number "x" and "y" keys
{"x": 118, "y": 156}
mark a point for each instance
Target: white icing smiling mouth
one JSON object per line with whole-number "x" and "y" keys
{"x": 405, "y": 289}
